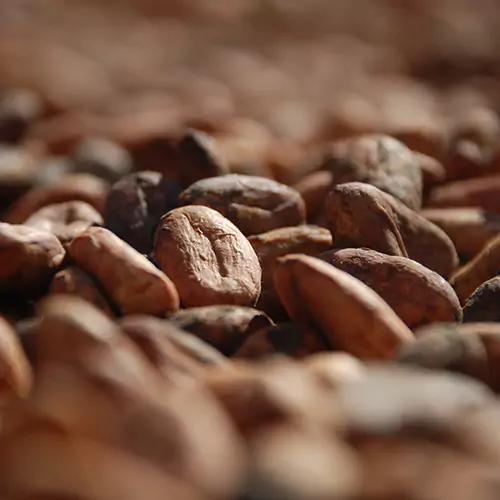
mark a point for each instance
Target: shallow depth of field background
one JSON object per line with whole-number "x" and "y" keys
{"x": 302, "y": 68}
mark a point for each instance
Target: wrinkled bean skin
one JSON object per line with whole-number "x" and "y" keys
{"x": 360, "y": 215}
{"x": 380, "y": 161}
{"x": 250, "y": 250}
{"x": 417, "y": 294}
{"x": 135, "y": 205}
{"x": 207, "y": 257}
{"x": 254, "y": 204}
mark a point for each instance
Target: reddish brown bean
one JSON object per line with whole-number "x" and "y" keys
{"x": 360, "y": 215}
{"x": 134, "y": 284}
{"x": 207, "y": 257}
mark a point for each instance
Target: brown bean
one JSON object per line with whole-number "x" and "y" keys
{"x": 391, "y": 400}
{"x": 65, "y": 220}
{"x": 423, "y": 469}
{"x": 254, "y": 204}
{"x": 446, "y": 347}
{"x": 273, "y": 391}
{"x": 18, "y": 170}
{"x": 378, "y": 160}
{"x": 162, "y": 353}
{"x": 470, "y": 229}
{"x": 484, "y": 303}
{"x": 102, "y": 158}
{"x": 283, "y": 338}
{"x": 428, "y": 138}
{"x": 298, "y": 462}
{"x": 314, "y": 188}
{"x": 108, "y": 388}
{"x": 199, "y": 158}
{"x": 334, "y": 368}
{"x": 190, "y": 345}
{"x": 466, "y": 159}
{"x": 70, "y": 328}
{"x": 30, "y": 257}
{"x": 473, "y": 348}
{"x": 433, "y": 172}
{"x": 134, "y": 284}
{"x": 207, "y": 257}
{"x": 73, "y": 281}
{"x": 482, "y": 192}
{"x": 16, "y": 375}
{"x": 44, "y": 465}
{"x": 483, "y": 267}
{"x": 351, "y": 316}
{"x": 77, "y": 187}
{"x": 417, "y": 294}
{"x": 479, "y": 125}
{"x": 309, "y": 240}
{"x": 135, "y": 205}
{"x": 360, "y": 215}
{"x": 19, "y": 108}
{"x": 223, "y": 327}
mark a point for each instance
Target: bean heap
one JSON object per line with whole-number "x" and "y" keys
{"x": 232, "y": 306}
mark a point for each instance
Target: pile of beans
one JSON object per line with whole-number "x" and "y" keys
{"x": 253, "y": 264}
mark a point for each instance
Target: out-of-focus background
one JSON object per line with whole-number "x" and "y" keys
{"x": 304, "y": 69}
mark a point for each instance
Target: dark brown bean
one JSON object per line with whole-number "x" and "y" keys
{"x": 19, "y": 108}
{"x": 198, "y": 158}
{"x": 102, "y": 158}
{"x": 254, "y": 204}
{"x": 135, "y": 205}
{"x": 224, "y": 327}
{"x": 484, "y": 303}
{"x": 284, "y": 338}
{"x": 360, "y": 215}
